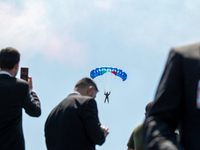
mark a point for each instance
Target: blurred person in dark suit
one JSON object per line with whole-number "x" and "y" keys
{"x": 176, "y": 103}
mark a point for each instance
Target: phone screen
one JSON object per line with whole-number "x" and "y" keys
{"x": 24, "y": 73}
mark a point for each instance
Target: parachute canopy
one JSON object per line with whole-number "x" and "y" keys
{"x": 102, "y": 70}
{"x": 108, "y": 76}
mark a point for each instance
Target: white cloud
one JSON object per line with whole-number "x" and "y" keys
{"x": 29, "y": 30}
{"x": 58, "y": 29}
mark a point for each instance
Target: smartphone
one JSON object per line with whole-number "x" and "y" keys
{"x": 24, "y": 73}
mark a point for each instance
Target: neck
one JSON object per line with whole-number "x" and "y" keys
{"x": 11, "y": 71}
{"x": 81, "y": 91}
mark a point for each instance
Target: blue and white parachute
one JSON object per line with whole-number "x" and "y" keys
{"x": 108, "y": 77}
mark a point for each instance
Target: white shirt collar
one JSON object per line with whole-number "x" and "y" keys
{"x": 75, "y": 92}
{"x": 5, "y": 72}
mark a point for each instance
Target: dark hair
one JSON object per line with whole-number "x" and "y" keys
{"x": 8, "y": 58}
{"x": 86, "y": 82}
{"x": 148, "y": 107}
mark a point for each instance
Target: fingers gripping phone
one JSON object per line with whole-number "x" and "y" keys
{"x": 24, "y": 73}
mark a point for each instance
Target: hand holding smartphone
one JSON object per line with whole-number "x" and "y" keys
{"x": 24, "y": 73}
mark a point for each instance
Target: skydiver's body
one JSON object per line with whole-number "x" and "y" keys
{"x": 107, "y": 94}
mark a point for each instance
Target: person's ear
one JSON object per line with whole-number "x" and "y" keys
{"x": 15, "y": 69}
{"x": 89, "y": 90}
{"x": 16, "y": 66}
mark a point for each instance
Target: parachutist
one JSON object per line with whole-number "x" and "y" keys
{"x": 107, "y": 94}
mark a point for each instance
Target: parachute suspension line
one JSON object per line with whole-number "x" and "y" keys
{"x": 116, "y": 82}
{"x": 107, "y": 82}
{"x": 100, "y": 81}
{"x": 113, "y": 80}
{"x": 110, "y": 81}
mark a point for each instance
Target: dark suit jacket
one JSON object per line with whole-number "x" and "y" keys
{"x": 175, "y": 103}
{"x": 14, "y": 95}
{"x": 74, "y": 125}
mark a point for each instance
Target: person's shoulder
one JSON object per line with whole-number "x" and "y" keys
{"x": 138, "y": 127}
{"x": 21, "y": 83}
{"x": 185, "y": 47}
{"x": 188, "y": 50}
{"x": 137, "y": 130}
{"x": 81, "y": 99}
{"x": 89, "y": 101}
{"x": 18, "y": 81}
{"x": 74, "y": 95}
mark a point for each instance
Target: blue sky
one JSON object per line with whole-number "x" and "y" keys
{"x": 62, "y": 41}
